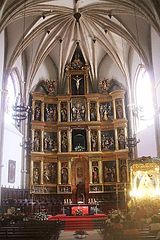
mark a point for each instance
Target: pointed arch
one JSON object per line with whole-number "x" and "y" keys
{"x": 143, "y": 96}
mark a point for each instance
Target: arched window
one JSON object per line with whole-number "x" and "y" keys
{"x": 13, "y": 90}
{"x": 144, "y": 100}
{"x": 144, "y": 110}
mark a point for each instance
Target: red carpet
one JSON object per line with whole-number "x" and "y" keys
{"x": 80, "y": 222}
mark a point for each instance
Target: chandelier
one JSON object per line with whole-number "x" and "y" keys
{"x": 20, "y": 111}
{"x": 132, "y": 142}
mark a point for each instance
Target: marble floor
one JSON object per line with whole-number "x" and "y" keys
{"x": 90, "y": 235}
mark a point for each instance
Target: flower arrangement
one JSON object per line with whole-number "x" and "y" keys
{"x": 80, "y": 234}
{"x": 79, "y": 148}
{"x": 40, "y": 216}
{"x": 79, "y": 212}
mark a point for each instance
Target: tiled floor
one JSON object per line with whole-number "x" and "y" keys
{"x": 91, "y": 235}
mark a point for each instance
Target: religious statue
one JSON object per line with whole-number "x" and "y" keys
{"x": 106, "y": 112}
{"x": 147, "y": 184}
{"x": 78, "y": 110}
{"x": 37, "y": 112}
{"x": 104, "y": 85}
{"x": 109, "y": 173}
{"x": 63, "y": 113}
{"x": 76, "y": 63}
{"x": 53, "y": 172}
{"x": 107, "y": 141}
{"x": 51, "y": 112}
{"x": 77, "y": 79}
{"x": 36, "y": 142}
{"x": 121, "y": 139}
{"x": 46, "y": 174}
{"x": 110, "y": 111}
{"x": 106, "y": 174}
{"x": 64, "y": 176}
{"x": 64, "y": 141}
{"x": 93, "y": 112}
{"x": 50, "y": 143}
{"x": 93, "y": 141}
{"x": 95, "y": 175}
{"x": 119, "y": 109}
{"x": 123, "y": 173}
{"x": 36, "y": 176}
{"x": 46, "y": 142}
{"x": 50, "y": 86}
{"x": 77, "y": 85}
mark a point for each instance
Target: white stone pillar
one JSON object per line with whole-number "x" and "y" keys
{"x": 99, "y": 140}
{"x": 59, "y": 111}
{"x": 59, "y": 172}
{"x": 68, "y": 111}
{"x": 98, "y": 114}
{"x": 69, "y": 172}
{"x": 100, "y": 172}
{"x": 90, "y": 171}
{"x": 69, "y": 133}
{"x": 59, "y": 141}
{"x": 42, "y": 140}
{"x": 42, "y": 111}
{"x": 89, "y": 140}
{"x": 116, "y": 139}
{"x": 114, "y": 109}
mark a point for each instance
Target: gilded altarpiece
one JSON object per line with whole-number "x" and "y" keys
{"x": 79, "y": 138}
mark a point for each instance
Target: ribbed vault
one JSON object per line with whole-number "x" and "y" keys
{"x": 103, "y": 29}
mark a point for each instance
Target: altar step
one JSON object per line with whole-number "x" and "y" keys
{"x": 78, "y": 225}
{"x": 83, "y": 224}
{"x": 146, "y": 234}
{"x": 88, "y": 222}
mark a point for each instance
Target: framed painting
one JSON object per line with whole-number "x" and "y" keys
{"x": 11, "y": 171}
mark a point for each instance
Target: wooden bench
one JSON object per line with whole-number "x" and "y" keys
{"x": 43, "y": 230}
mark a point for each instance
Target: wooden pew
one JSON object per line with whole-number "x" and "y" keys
{"x": 42, "y": 231}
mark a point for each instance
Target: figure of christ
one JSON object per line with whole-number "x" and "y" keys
{"x": 77, "y": 79}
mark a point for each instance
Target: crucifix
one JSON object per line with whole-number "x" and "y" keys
{"x": 77, "y": 79}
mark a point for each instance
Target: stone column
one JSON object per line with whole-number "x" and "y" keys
{"x": 42, "y": 111}
{"x": 69, "y": 172}
{"x": 32, "y": 139}
{"x": 42, "y": 140}
{"x": 86, "y": 86}
{"x": 116, "y": 139}
{"x": 89, "y": 140}
{"x": 69, "y": 133}
{"x": 68, "y": 84}
{"x": 117, "y": 170}
{"x": 114, "y": 109}
{"x": 126, "y": 134}
{"x": 98, "y": 114}
{"x": 41, "y": 178}
{"x": 99, "y": 140}
{"x": 59, "y": 111}
{"x": 88, "y": 111}
{"x": 68, "y": 111}
{"x": 123, "y": 106}
{"x": 100, "y": 172}
{"x": 90, "y": 171}
{"x": 33, "y": 109}
{"x": 59, "y": 172}
{"x": 59, "y": 141}
{"x": 31, "y": 174}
